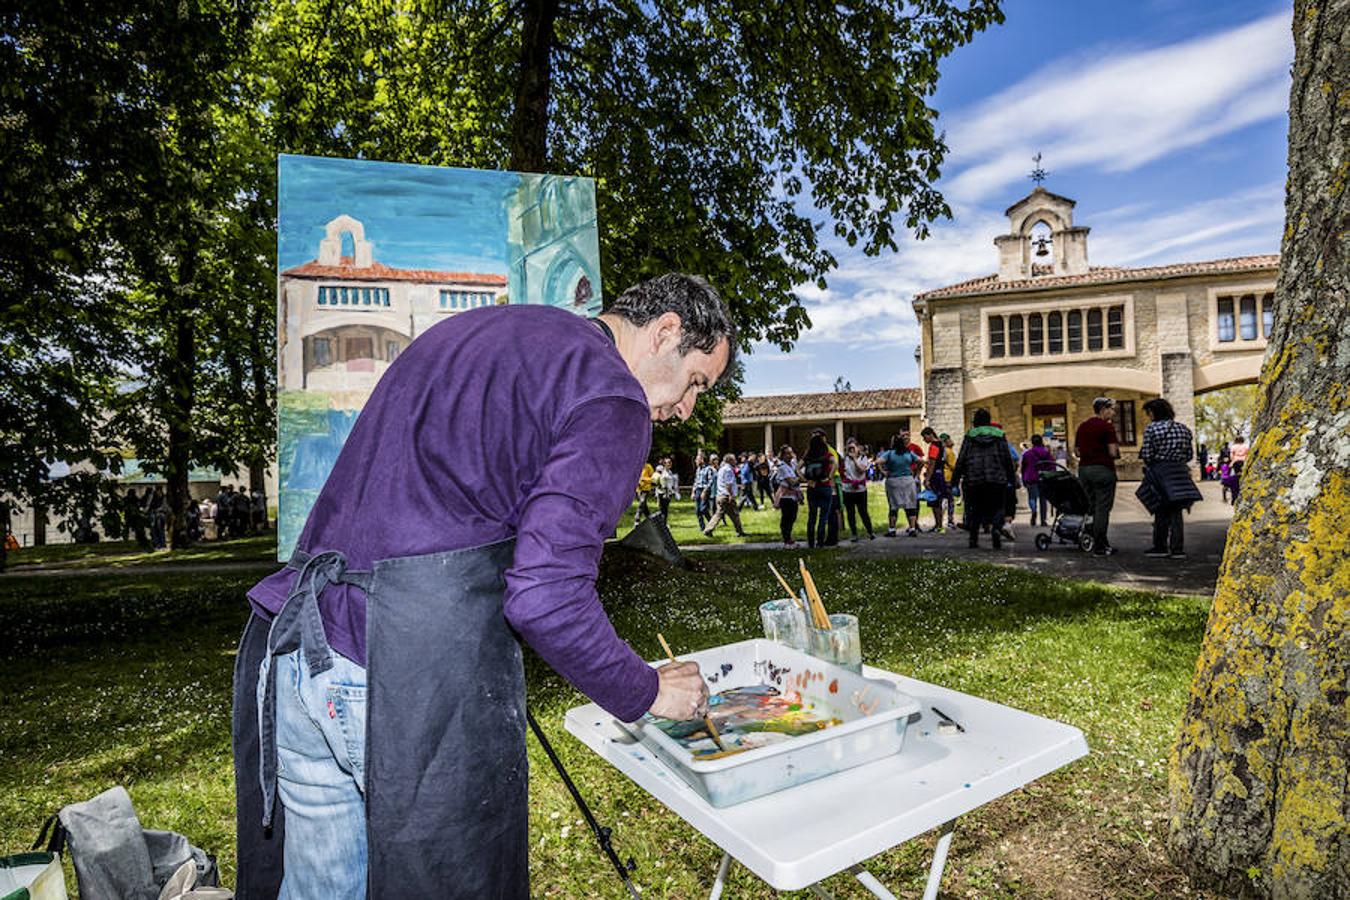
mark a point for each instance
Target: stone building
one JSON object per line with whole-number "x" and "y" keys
{"x": 1038, "y": 340}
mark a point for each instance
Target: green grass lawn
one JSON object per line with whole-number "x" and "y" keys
{"x": 763, "y": 525}
{"x": 126, "y": 679}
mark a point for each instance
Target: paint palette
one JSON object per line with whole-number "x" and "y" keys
{"x": 785, "y": 718}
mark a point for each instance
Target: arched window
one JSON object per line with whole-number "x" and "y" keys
{"x": 1055, "y": 323}
{"x": 1015, "y": 345}
{"x": 1226, "y": 324}
{"x": 1075, "y": 331}
{"x": 1247, "y": 317}
{"x": 1115, "y": 328}
{"x": 1035, "y": 339}
{"x": 1094, "y": 329}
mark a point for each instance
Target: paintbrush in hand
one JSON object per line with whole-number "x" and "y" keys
{"x": 707, "y": 720}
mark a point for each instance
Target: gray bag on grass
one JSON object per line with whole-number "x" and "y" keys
{"x": 116, "y": 859}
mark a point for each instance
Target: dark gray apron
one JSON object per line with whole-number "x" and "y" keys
{"x": 445, "y": 765}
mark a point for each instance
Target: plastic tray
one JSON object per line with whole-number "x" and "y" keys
{"x": 873, "y": 714}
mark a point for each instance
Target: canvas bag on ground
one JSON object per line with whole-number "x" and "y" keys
{"x": 32, "y": 876}
{"x": 115, "y": 859}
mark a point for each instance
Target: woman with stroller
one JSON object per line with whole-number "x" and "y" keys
{"x": 1166, "y": 448}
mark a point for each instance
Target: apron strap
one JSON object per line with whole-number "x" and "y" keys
{"x": 298, "y": 625}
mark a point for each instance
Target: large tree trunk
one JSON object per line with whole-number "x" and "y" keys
{"x": 180, "y": 376}
{"x": 1259, "y": 777}
{"x": 529, "y": 119}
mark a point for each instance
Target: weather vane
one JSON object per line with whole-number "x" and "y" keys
{"x": 1037, "y": 174}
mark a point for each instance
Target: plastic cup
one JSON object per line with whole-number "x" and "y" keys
{"x": 841, "y": 644}
{"x": 784, "y": 622}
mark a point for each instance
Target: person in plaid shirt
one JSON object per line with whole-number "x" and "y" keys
{"x": 1166, "y": 449}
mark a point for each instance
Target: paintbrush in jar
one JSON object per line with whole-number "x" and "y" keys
{"x": 817, "y": 605}
{"x": 707, "y": 720}
{"x": 786, "y": 587}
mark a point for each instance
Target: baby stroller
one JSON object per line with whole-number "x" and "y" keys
{"x": 1073, "y": 509}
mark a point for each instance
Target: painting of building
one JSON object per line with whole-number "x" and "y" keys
{"x": 373, "y": 254}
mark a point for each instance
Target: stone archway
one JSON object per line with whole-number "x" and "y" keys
{"x": 330, "y": 248}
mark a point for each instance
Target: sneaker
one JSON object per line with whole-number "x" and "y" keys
{"x": 1157, "y": 554}
{"x": 789, "y": 544}
{"x": 939, "y": 531}
{"x": 871, "y": 536}
{"x": 1007, "y": 532}
{"x": 1176, "y": 556}
{"x": 912, "y": 532}
{"x": 890, "y": 532}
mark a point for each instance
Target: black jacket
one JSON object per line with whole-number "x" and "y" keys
{"x": 984, "y": 458}
{"x": 1167, "y": 485}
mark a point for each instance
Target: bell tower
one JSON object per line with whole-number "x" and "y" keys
{"x": 1063, "y": 252}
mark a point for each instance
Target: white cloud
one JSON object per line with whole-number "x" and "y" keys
{"x": 1246, "y": 222}
{"x": 1121, "y": 111}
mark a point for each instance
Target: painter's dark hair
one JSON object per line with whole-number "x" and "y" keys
{"x": 1159, "y": 409}
{"x": 703, "y": 315}
{"x": 1037, "y": 440}
{"x": 981, "y": 417}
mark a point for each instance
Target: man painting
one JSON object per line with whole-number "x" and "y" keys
{"x": 379, "y": 690}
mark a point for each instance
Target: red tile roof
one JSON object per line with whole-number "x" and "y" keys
{"x": 989, "y": 284}
{"x": 792, "y": 406}
{"x": 380, "y": 272}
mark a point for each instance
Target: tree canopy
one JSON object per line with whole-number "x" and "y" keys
{"x": 139, "y": 184}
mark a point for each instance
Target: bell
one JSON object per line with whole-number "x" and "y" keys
{"x": 1041, "y": 249}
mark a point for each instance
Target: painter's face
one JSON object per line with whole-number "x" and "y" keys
{"x": 673, "y": 381}
{"x": 1108, "y": 413}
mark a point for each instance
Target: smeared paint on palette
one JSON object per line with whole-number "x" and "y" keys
{"x": 715, "y": 676}
{"x": 748, "y": 718}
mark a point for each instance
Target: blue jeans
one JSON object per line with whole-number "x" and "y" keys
{"x": 819, "y": 502}
{"x": 1036, "y": 501}
{"x": 321, "y": 746}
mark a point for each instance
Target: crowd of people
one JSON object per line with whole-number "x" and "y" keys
{"x": 232, "y": 513}
{"x": 1225, "y": 466}
{"x": 986, "y": 475}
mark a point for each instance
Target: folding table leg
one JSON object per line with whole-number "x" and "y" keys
{"x": 869, "y": 881}
{"x": 939, "y": 860}
{"x": 721, "y": 880}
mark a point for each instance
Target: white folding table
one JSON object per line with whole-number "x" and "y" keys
{"x": 796, "y": 838}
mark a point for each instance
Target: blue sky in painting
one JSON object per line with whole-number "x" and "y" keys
{"x": 1165, "y": 119}
{"x": 419, "y": 217}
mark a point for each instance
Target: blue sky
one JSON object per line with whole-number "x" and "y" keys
{"x": 418, "y": 217}
{"x": 1165, "y": 120}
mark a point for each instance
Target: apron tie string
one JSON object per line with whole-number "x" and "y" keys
{"x": 298, "y": 625}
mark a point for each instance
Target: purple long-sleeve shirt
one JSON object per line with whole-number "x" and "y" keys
{"x": 509, "y": 421}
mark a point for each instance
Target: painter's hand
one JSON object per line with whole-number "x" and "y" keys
{"x": 682, "y": 694}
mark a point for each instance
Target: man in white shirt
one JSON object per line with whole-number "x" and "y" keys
{"x": 726, "y": 497}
